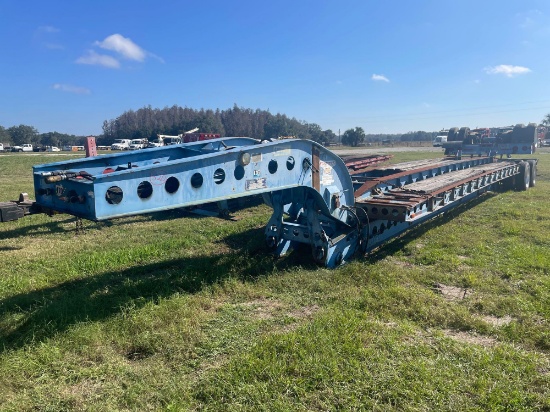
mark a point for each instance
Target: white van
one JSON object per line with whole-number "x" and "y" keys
{"x": 439, "y": 140}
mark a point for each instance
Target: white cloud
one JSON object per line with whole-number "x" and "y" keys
{"x": 507, "y": 70}
{"x": 46, "y": 36}
{"x": 54, "y": 46}
{"x": 380, "y": 78}
{"x": 48, "y": 29}
{"x": 530, "y": 19}
{"x": 70, "y": 88}
{"x": 123, "y": 46}
{"x": 94, "y": 58}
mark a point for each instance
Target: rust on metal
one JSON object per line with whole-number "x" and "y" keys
{"x": 400, "y": 204}
{"x": 315, "y": 175}
{"x": 400, "y": 170}
{"x": 358, "y": 165}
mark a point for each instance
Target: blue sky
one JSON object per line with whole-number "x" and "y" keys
{"x": 387, "y": 66}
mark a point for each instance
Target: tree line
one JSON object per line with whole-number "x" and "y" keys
{"x": 18, "y": 135}
{"x": 147, "y": 122}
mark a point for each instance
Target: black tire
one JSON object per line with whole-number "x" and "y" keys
{"x": 533, "y": 171}
{"x": 463, "y": 134}
{"x": 506, "y": 137}
{"x": 530, "y": 134}
{"x": 451, "y": 136}
{"x": 523, "y": 179}
{"x": 518, "y": 134}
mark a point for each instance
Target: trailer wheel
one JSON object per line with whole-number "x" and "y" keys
{"x": 451, "y": 136}
{"x": 523, "y": 179}
{"x": 463, "y": 133}
{"x": 533, "y": 171}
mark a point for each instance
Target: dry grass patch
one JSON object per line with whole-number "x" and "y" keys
{"x": 263, "y": 308}
{"x": 451, "y": 292}
{"x": 496, "y": 321}
{"x": 471, "y": 338}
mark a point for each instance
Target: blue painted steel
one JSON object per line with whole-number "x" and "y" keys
{"x": 298, "y": 178}
{"x": 494, "y": 149}
{"x": 308, "y": 187}
{"x": 185, "y": 175}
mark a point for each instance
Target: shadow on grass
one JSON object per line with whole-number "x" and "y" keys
{"x": 57, "y": 226}
{"x": 52, "y": 310}
{"x": 242, "y": 256}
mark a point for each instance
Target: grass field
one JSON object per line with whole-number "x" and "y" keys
{"x": 174, "y": 312}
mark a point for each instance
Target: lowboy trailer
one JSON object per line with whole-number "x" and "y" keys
{"x": 338, "y": 209}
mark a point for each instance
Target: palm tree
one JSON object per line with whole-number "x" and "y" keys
{"x": 546, "y": 120}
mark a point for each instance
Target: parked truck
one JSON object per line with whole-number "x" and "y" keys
{"x": 27, "y": 147}
{"x": 138, "y": 144}
{"x": 439, "y": 140}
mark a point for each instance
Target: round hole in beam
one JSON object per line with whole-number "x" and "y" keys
{"x": 172, "y": 184}
{"x": 114, "y": 195}
{"x": 290, "y": 162}
{"x": 239, "y": 172}
{"x": 272, "y": 166}
{"x": 219, "y": 176}
{"x": 196, "y": 180}
{"x": 145, "y": 190}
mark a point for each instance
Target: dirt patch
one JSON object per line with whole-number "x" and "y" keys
{"x": 81, "y": 392}
{"x": 401, "y": 263}
{"x": 451, "y": 292}
{"x": 497, "y": 322}
{"x": 300, "y": 314}
{"x": 263, "y": 308}
{"x": 472, "y": 338}
{"x": 304, "y": 312}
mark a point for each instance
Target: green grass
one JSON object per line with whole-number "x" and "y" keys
{"x": 175, "y": 312}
